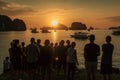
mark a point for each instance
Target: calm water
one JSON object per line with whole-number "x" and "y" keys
{"x": 7, "y": 37}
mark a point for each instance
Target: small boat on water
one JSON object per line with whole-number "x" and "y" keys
{"x": 116, "y": 32}
{"x": 80, "y": 35}
{"x": 34, "y": 30}
{"x": 45, "y": 31}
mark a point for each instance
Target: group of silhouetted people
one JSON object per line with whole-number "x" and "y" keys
{"x": 44, "y": 59}
{"x": 92, "y": 51}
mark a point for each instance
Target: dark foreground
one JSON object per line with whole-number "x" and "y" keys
{"x": 80, "y": 75}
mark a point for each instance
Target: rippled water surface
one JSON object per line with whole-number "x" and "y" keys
{"x": 7, "y": 37}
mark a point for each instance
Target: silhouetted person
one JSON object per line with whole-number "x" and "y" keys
{"x": 55, "y": 57}
{"x": 23, "y": 48}
{"x": 46, "y": 60}
{"x": 91, "y": 51}
{"x": 6, "y": 65}
{"x": 71, "y": 61}
{"x": 52, "y": 44}
{"x": 32, "y": 53}
{"x": 10, "y": 55}
{"x": 61, "y": 52}
{"x": 39, "y": 60}
{"x": 106, "y": 61}
{"x": 24, "y": 62}
{"x": 68, "y": 44}
{"x": 39, "y": 44}
{"x": 16, "y": 57}
{"x": 55, "y": 51}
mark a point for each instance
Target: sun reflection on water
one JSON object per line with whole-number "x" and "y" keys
{"x": 54, "y": 36}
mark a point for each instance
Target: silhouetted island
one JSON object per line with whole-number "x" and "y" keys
{"x": 74, "y": 26}
{"x": 61, "y": 27}
{"x": 19, "y": 25}
{"x": 116, "y": 27}
{"x": 6, "y": 24}
{"x": 91, "y": 28}
{"x": 78, "y": 26}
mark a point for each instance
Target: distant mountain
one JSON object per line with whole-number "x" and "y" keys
{"x": 78, "y": 26}
{"x": 6, "y": 24}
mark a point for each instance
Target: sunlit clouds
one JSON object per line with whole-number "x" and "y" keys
{"x": 96, "y": 13}
{"x": 13, "y": 9}
{"x": 113, "y": 18}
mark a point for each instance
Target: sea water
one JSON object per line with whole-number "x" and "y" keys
{"x": 24, "y": 36}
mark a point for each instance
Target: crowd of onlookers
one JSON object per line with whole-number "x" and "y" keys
{"x": 43, "y": 59}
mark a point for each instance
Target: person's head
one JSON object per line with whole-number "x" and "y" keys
{"x": 22, "y": 43}
{"x": 92, "y": 38}
{"x": 38, "y": 41}
{"x": 47, "y": 42}
{"x": 6, "y": 58}
{"x": 73, "y": 44}
{"x": 62, "y": 42}
{"x": 32, "y": 40}
{"x": 51, "y": 44}
{"x": 68, "y": 42}
{"x": 11, "y": 44}
{"x": 56, "y": 44}
{"x": 108, "y": 39}
{"x": 15, "y": 42}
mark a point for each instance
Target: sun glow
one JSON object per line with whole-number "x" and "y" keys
{"x": 54, "y": 22}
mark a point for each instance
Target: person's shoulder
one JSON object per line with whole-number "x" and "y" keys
{"x": 111, "y": 44}
{"x": 28, "y": 45}
{"x": 45, "y": 47}
{"x": 69, "y": 49}
{"x": 104, "y": 44}
{"x": 87, "y": 44}
{"x": 40, "y": 46}
{"x": 4, "y": 61}
{"x": 75, "y": 50}
{"x": 96, "y": 45}
{"x": 49, "y": 47}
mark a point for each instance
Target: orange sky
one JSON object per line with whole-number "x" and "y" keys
{"x": 39, "y": 13}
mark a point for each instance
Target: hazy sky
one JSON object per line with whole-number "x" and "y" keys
{"x": 38, "y": 13}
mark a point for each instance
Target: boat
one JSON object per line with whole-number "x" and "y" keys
{"x": 116, "y": 32}
{"x": 80, "y": 35}
{"x": 66, "y": 29}
{"x": 44, "y": 30}
{"x": 34, "y": 30}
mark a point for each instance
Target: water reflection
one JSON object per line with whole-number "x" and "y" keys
{"x": 54, "y": 36}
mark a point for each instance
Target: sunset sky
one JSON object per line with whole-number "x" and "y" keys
{"x": 39, "y": 13}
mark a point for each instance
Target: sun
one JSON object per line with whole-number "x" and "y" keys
{"x": 54, "y": 22}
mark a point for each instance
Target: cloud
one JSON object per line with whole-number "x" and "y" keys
{"x": 11, "y": 8}
{"x": 59, "y": 11}
{"x": 113, "y": 18}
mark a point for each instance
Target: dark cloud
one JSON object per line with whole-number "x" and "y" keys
{"x": 10, "y": 8}
{"x": 113, "y": 18}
